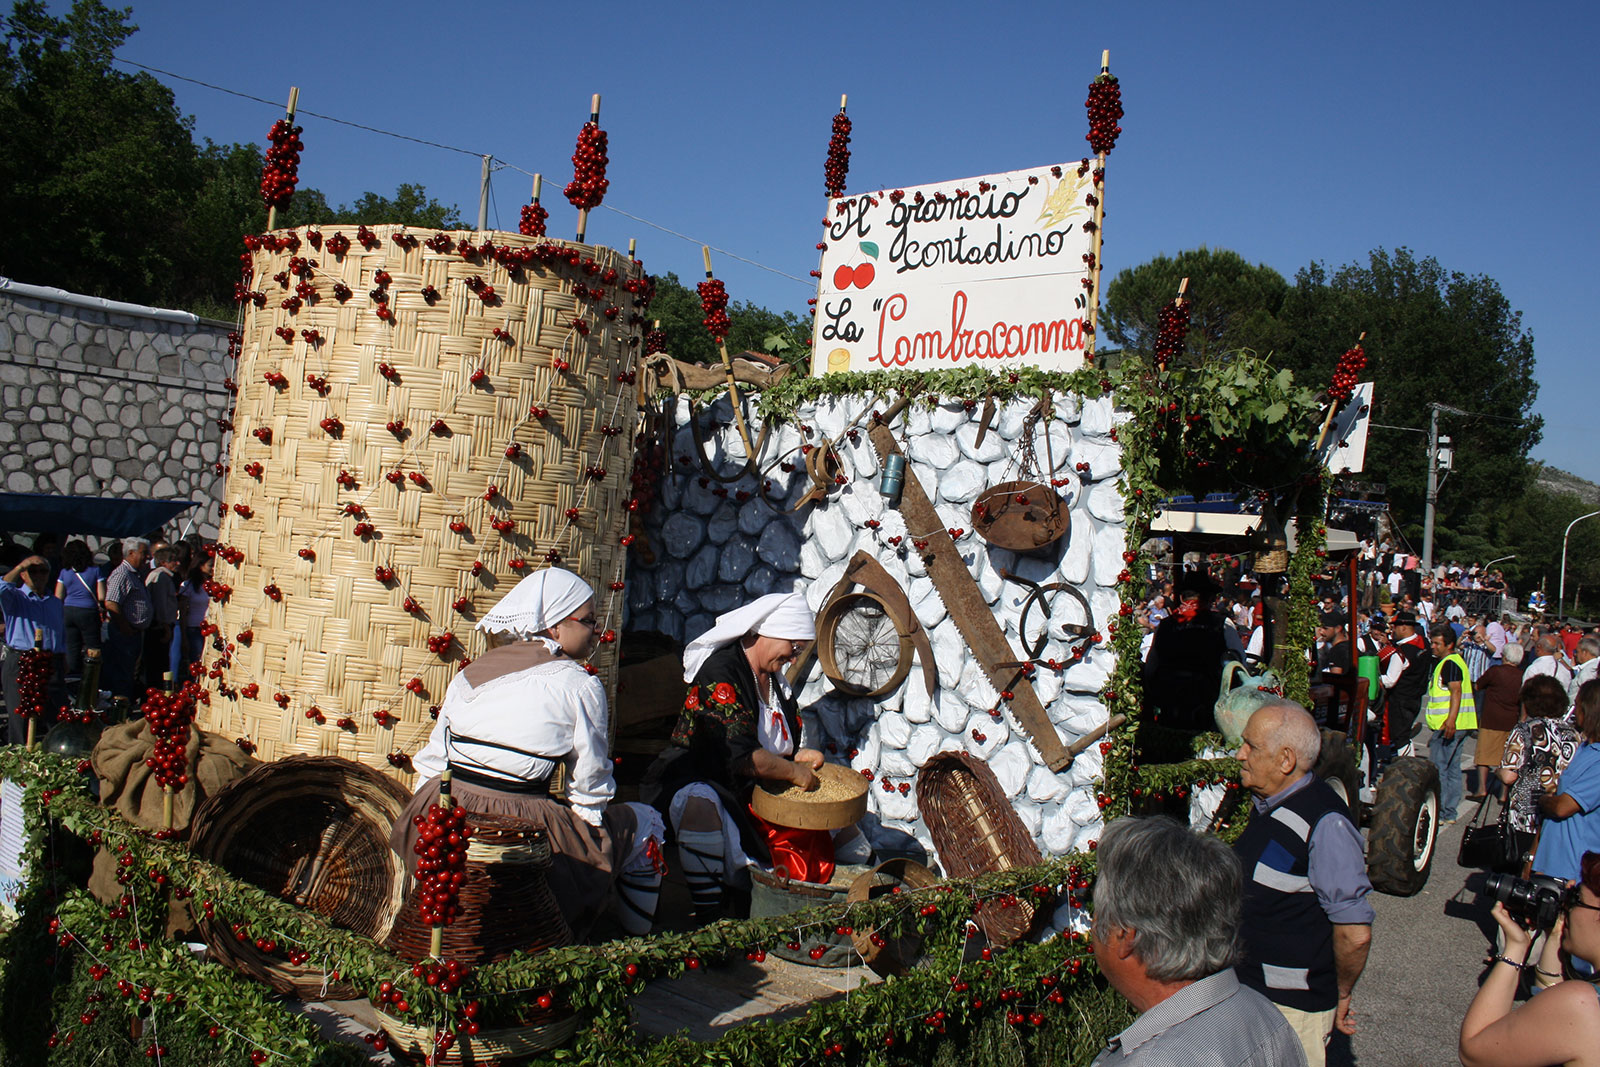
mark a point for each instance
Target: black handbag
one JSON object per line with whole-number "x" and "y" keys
{"x": 1489, "y": 846}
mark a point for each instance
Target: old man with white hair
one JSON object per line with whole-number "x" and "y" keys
{"x": 520, "y": 711}
{"x": 1307, "y": 923}
{"x": 740, "y": 725}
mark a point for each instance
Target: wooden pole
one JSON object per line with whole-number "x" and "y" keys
{"x": 1327, "y": 420}
{"x": 733, "y": 386}
{"x": 294, "y": 101}
{"x": 38, "y": 646}
{"x": 1099, "y": 225}
{"x": 483, "y": 195}
{"x": 436, "y": 934}
{"x": 583, "y": 213}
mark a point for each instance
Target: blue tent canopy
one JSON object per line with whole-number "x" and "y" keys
{"x": 98, "y": 515}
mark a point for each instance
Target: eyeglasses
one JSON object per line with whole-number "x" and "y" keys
{"x": 798, "y": 647}
{"x": 588, "y": 621}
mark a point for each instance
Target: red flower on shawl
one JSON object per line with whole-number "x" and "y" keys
{"x": 692, "y": 701}
{"x": 724, "y": 694}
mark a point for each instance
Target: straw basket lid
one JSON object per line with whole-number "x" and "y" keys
{"x": 414, "y": 1044}
{"x": 839, "y": 800}
{"x": 896, "y": 955}
{"x": 313, "y": 830}
{"x": 1021, "y": 516}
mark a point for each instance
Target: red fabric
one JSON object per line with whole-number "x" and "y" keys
{"x": 802, "y": 855}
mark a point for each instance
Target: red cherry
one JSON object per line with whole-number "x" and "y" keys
{"x": 842, "y": 277}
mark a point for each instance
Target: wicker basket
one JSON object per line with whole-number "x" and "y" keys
{"x": 975, "y": 832}
{"x": 839, "y": 800}
{"x": 506, "y": 903}
{"x": 414, "y": 1043}
{"x": 889, "y": 956}
{"x": 324, "y": 630}
{"x": 315, "y": 831}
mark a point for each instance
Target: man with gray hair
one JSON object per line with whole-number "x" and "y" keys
{"x": 1549, "y": 660}
{"x": 1307, "y": 924}
{"x": 1587, "y": 657}
{"x": 128, "y": 605}
{"x": 1166, "y": 935}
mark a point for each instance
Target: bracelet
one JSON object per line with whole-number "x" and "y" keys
{"x": 1540, "y": 970}
{"x": 1507, "y": 959}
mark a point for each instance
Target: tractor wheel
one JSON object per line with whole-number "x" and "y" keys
{"x": 1337, "y": 766}
{"x": 1405, "y": 827}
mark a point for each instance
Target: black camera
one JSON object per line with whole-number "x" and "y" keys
{"x": 1535, "y": 902}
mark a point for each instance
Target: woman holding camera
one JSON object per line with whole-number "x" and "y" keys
{"x": 1561, "y": 1024}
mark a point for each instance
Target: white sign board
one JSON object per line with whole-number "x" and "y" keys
{"x": 1346, "y": 446}
{"x": 985, "y": 271}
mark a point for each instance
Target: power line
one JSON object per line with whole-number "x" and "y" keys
{"x": 494, "y": 160}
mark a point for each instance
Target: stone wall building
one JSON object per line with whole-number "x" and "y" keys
{"x": 110, "y": 399}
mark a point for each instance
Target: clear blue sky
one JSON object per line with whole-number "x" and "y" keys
{"x": 1287, "y": 132}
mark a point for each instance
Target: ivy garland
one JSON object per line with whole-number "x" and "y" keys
{"x": 1304, "y": 563}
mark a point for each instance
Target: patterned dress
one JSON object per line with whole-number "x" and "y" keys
{"x": 1538, "y": 750}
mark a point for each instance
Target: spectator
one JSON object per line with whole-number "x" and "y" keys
{"x": 1307, "y": 924}
{"x": 1183, "y": 670}
{"x": 193, "y": 603}
{"x": 1547, "y": 649}
{"x": 1538, "y": 749}
{"x": 81, "y": 589}
{"x": 1451, "y": 711}
{"x": 29, "y": 607}
{"x": 128, "y": 604}
{"x": 1499, "y": 692}
{"x": 1166, "y": 933}
{"x": 1572, "y": 811}
{"x": 1405, "y": 677}
{"x": 1561, "y": 1024}
{"x": 1587, "y": 657}
{"x": 162, "y": 585}
{"x": 1494, "y": 630}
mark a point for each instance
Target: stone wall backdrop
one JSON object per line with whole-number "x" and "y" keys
{"x": 716, "y": 545}
{"x": 110, "y": 399}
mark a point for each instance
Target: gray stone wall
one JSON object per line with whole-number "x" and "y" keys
{"x": 112, "y": 402}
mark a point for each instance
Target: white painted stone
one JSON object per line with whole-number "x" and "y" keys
{"x": 1104, "y": 501}
{"x": 935, "y": 451}
{"x": 811, "y": 563}
{"x": 831, "y": 531}
{"x": 736, "y": 560}
{"x": 1057, "y": 831}
{"x": 1030, "y": 817}
{"x": 960, "y": 486}
{"x": 702, "y": 568}
{"x": 925, "y": 741}
{"x": 859, "y": 501}
{"x": 947, "y": 417}
{"x": 826, "y": 579}
{"x": 1109, "y": 544}
{"x": 984, "y": 737}
{"x": 1044, "y": 785}
{"x": 915, "y": 703}
{"x": 861, "y": 460}
{"x": 893, "y": 807}
{"x": 930, "y": 610}
{"x": 993, "y": 447}
{"x": 1090, "y": 673}
{"x": 1013, "y": 417}
{"x": 990, "y": 584}
{"x": 895, "y": 763}
{"x": 1104, "y": 460}
{"x": 829, "y": 417}
{"x": 1012, "y": 765}
{"x": 1096, "y": 417}
{"x": 950, "y": 711}
{"x": 1081, "y": 808}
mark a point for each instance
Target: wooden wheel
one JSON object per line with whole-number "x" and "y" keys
{"x": 861, "y": 648}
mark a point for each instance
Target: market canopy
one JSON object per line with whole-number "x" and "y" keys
{"x": 1181, "y": 520}
{"x": 98, "y": 515}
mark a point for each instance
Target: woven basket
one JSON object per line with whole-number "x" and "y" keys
{"x": 414, "y": 1043}
{"x": 976, "y": 832}
{"x": 314, "y": 831}
{"x": 338, "y": 640}
{"x": 506, "y": 903}
{"x": 839, "y": 800}
{"x": 897, "y": 955}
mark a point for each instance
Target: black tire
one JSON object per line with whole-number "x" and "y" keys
{"x": 1405, "y": 827}
{"x": 1338, "y": 767}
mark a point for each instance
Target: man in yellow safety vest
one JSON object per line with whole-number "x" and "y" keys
{"x": 1452, "y": 715}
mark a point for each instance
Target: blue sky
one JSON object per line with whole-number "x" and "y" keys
{"x": 1287, "y": 132}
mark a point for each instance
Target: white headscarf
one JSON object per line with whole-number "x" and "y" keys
{"x": 784, "y": 615}
{"x": 538, "y": 602}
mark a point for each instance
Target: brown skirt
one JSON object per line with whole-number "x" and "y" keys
{"x": 585, "y": 859}
{"x": 1491, "y": 749}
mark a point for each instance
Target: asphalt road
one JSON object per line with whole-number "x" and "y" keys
{"x": 1423, "y": 971}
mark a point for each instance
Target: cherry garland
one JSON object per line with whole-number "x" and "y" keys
{"x": 714, "y": 303}
{"x": 1105, "y": 111}
{"x": 1345, "y": 374}
{"x": 533, "y": 219}
{"x": 589, "y": 183}
{"x": 35, "y": 666}
{"x": 1171, "y": 332}
{"x": 170, "y": 716}
{"x": 837, "y": 166}
{"x": 280, "y": 175}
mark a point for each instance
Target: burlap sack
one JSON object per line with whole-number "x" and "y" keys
{"x": 130, "y": 786}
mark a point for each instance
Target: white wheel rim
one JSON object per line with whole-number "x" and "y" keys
{"x": 1425, "y": 831}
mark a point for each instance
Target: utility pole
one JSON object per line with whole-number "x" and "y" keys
{"x": 1440, "y": 454}
{"x": 1561, "y": 595}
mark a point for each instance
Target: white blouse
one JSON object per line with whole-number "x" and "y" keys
{"x": 772, "y": 726}
{"x": 505, "y": 726}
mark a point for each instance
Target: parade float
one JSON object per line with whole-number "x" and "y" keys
{"x": 962, "y": 490}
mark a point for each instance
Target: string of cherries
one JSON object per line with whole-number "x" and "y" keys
{"x": 837, "y": 167}
{"x": 281, "y": 173}
{"x": 1105, "y": 111}
{"x": 170, "y": 716}
{"x": 1170, "y": 333}
{"x": 589, "y": 183}
{"x": 34, "y": 668}
{"x": 441, "y": 848}
{"x": 714, "y": 303}
{"x": 1344, "y": 374}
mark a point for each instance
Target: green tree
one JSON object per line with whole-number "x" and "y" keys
{"x": 1534, "y": 523}
{"x": 410, "y": 206}
{"x": 1232, "y": 304}
{"x": 100, "y": 167}
{"x": 750, "y": 326}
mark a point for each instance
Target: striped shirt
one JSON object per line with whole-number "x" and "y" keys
{"x": 1215, "y": 1022}
{"x": 126, "y": 590}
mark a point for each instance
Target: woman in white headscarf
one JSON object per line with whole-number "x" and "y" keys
{"x": 517, "y": 712}
{"x": 740, "y": 724}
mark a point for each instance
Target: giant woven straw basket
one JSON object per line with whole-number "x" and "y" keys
{"x": 976, "y": 831}
{"x": 410, "y": 378}
{"x": 314, "y": 831}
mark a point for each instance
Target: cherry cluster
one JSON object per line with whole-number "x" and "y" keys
{"x": 1105, "y": 111}
{"x": 170, "y": 716}
{"x": 655, "y": 341}
{"x": 34, "y": 668}
{"x": 1170, "y": 334}
{"x": 1344, "y": 375}
{"x": 533, "y": 219}
{"x": 279, "y": 176}
{"x": 837, "y": 167}
{"x": 441, "y": 847}
{"x": 714, "y": 302}
{"x": 589, "y": 184}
